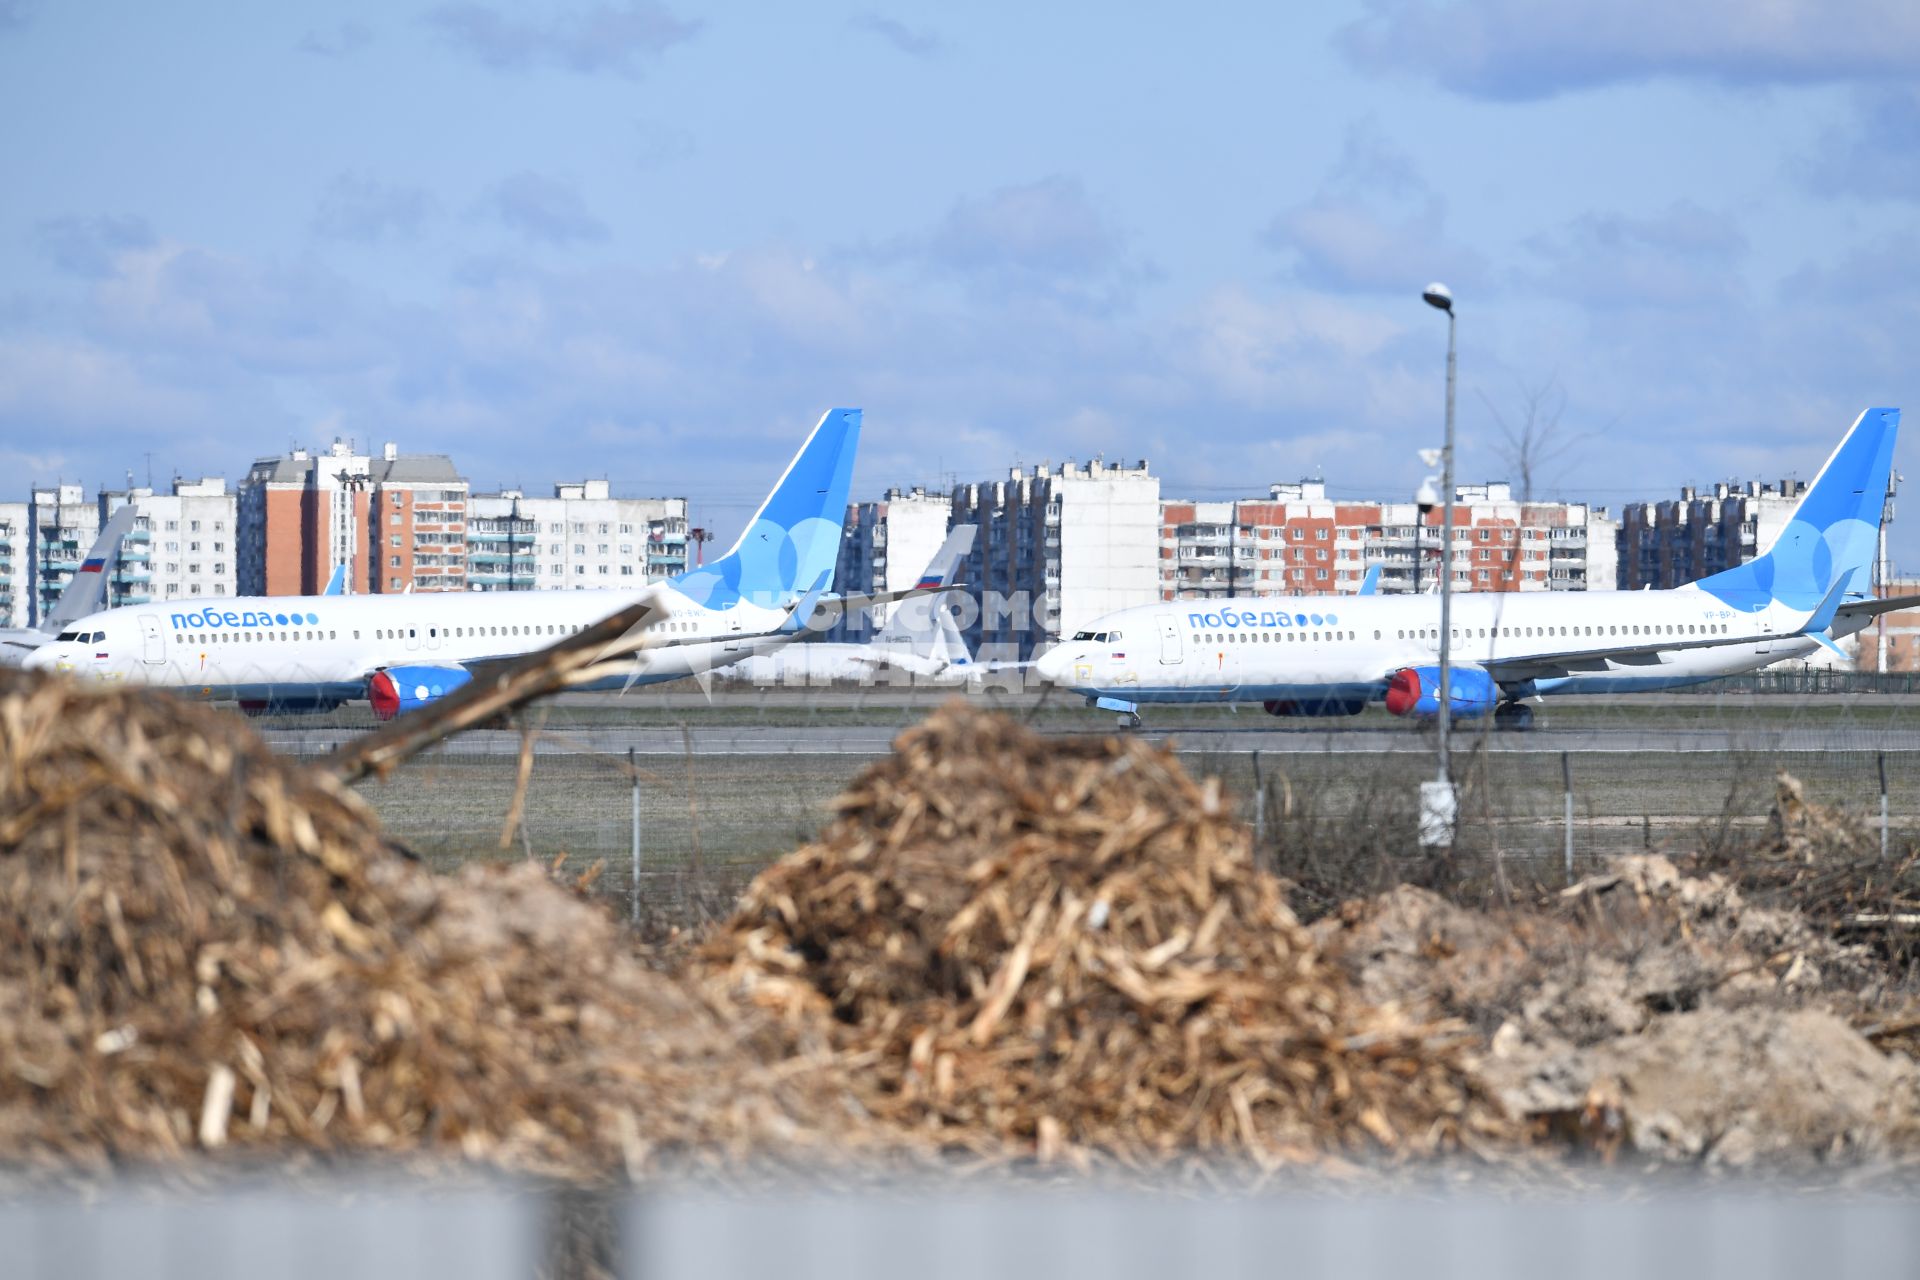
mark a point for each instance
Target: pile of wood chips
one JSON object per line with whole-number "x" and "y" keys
{"x": 203, "y": 945}
{"x": 1063, "y": 949}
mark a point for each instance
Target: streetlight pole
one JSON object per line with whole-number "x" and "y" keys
{"x": 1438, "y": 295}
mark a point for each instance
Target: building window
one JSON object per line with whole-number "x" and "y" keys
{"x": 394, "y": 562}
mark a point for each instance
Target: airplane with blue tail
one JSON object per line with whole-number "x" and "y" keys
{"x": 1335, "y": 656}
{"x": 399, "y": 652}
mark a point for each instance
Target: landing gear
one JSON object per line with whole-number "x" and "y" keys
{"x": 1514, "y": 717}
{"x": 1129, "y": 711}
{"x": 1130, "y": 720}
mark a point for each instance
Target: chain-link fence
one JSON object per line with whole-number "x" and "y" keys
{"x": 667, "y": 798}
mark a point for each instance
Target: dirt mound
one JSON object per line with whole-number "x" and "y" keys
{"x": 1064, "y": 947}
{"x": 202, "y": 945}
{"x": 1648, "y": 1009}
{"x": 1729, "y": 1088}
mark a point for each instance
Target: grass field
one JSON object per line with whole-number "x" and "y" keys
{"x": 726, "y": 815}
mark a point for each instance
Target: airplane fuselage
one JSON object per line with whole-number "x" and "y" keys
{"x": 1283, "y": 648}
{"x": 324, "y": 648}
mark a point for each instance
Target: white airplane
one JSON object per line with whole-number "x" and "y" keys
{"x": 919, "y": 638}
{"x": 312, "y": 653}
{"x": 81, "y": 598}
{"x": 1321, "y": 656}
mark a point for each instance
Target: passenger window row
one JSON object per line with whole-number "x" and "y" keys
{"x": 1511, "y": 633}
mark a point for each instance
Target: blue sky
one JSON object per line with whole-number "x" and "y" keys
{"x": 654, "y": 242}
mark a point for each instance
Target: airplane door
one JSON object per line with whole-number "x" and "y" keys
{"x": 1169, "y": 641}
{"x": 413, "y": 637}
{"x": 153, "y": 646}
{"x": 1766, "y": 633}
{"x": 433, "y": 637}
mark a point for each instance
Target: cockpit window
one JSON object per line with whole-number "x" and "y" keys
{"x": 66, "y": 635}
{"x": 99, "y": 637}
{"x": 1113, "y": 637}
{"x": 1083, "y": 635}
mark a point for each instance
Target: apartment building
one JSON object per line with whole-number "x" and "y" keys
{"x": 16, "y": 565}
{"x": 397, "y": 521}
{"x": 1677, "y": 540}
{"x": 1298, "y": 541}
{"x": 581, "y": 538}
{"x": 886, "y": 546}
{"x": 1057, "y": 548}
{"x": 62, "y": 523}
{"x": 184, "y": 542}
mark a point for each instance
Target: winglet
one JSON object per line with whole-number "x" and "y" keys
{"x": 802, "y": 612}
{"x": 1821, "y": 620}
{"x": 338, "y": 581}
{"x": 1370, "y": 585}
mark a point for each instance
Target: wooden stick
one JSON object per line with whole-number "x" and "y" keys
{"x": 514, "y": 684}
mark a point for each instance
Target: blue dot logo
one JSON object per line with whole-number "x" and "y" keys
{"x": 1331, "y": 621}
{"x": 1316, "y": 619}
{"x": 314, "y": 619}
{"x": 1300, "y": 619}
{"x": 280, "y": 618}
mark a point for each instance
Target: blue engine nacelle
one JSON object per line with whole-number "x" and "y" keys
{"x": 1415, "y": 691}
{"x": 1315, "y": 707}
{"x": 400, "y": 689}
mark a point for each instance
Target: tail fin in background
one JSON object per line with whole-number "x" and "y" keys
{"x": 1370, "y": 585}
{"x": 87, "y": 592}
{"x": 1832, "y": 534}
{"x": 336, "y": 585}
{"x": 792, "y": 543}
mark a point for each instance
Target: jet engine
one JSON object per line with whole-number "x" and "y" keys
{"x": 1415, "y": 692}
{"x": 401, "y": 689}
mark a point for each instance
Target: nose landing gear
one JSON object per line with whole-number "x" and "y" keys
{"x": 1129, "y": 711}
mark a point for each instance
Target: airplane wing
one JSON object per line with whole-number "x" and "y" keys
{"x": 87, "y": 592}
{"x": 1874, "y": 608}
{"x": 1552, "y": 664}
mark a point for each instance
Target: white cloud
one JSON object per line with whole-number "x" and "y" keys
{"x": 1519, "y": 49}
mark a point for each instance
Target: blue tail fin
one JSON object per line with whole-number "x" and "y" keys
{"x": 1831, "y": 535}
{"x": 792, "y": 543}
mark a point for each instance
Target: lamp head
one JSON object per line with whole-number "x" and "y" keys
{"x": 1438, "y": 295}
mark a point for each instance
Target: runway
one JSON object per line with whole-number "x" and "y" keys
{"x": 1377, "y": 739}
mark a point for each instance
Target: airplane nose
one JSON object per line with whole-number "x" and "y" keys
{"x": 1052, "y": 664}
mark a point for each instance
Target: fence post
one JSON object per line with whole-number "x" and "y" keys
{"x": 1566, "y": 787}
{"x": 1883, "y": 806}
{"x": 1259, "y": 805}
{"x": 634, "y": 773}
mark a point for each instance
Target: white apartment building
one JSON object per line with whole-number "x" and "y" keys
{"x": 61, "y": 524}
{"x": 16, "y": 565}
{"x": 1057, "y": 548}
{"x": 1298, "y": 541}
{"x": 183, "y": 543}
{"x": 581, "y": 538}
{"x": 886, "y": 547}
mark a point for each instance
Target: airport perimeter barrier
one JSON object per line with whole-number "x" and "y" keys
{"x": 671, "y": 803}
{"x": 379, "y": 1230}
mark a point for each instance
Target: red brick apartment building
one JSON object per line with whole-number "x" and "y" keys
{"x": 1300, "y": 542}
{"x": 396, "y": 521}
